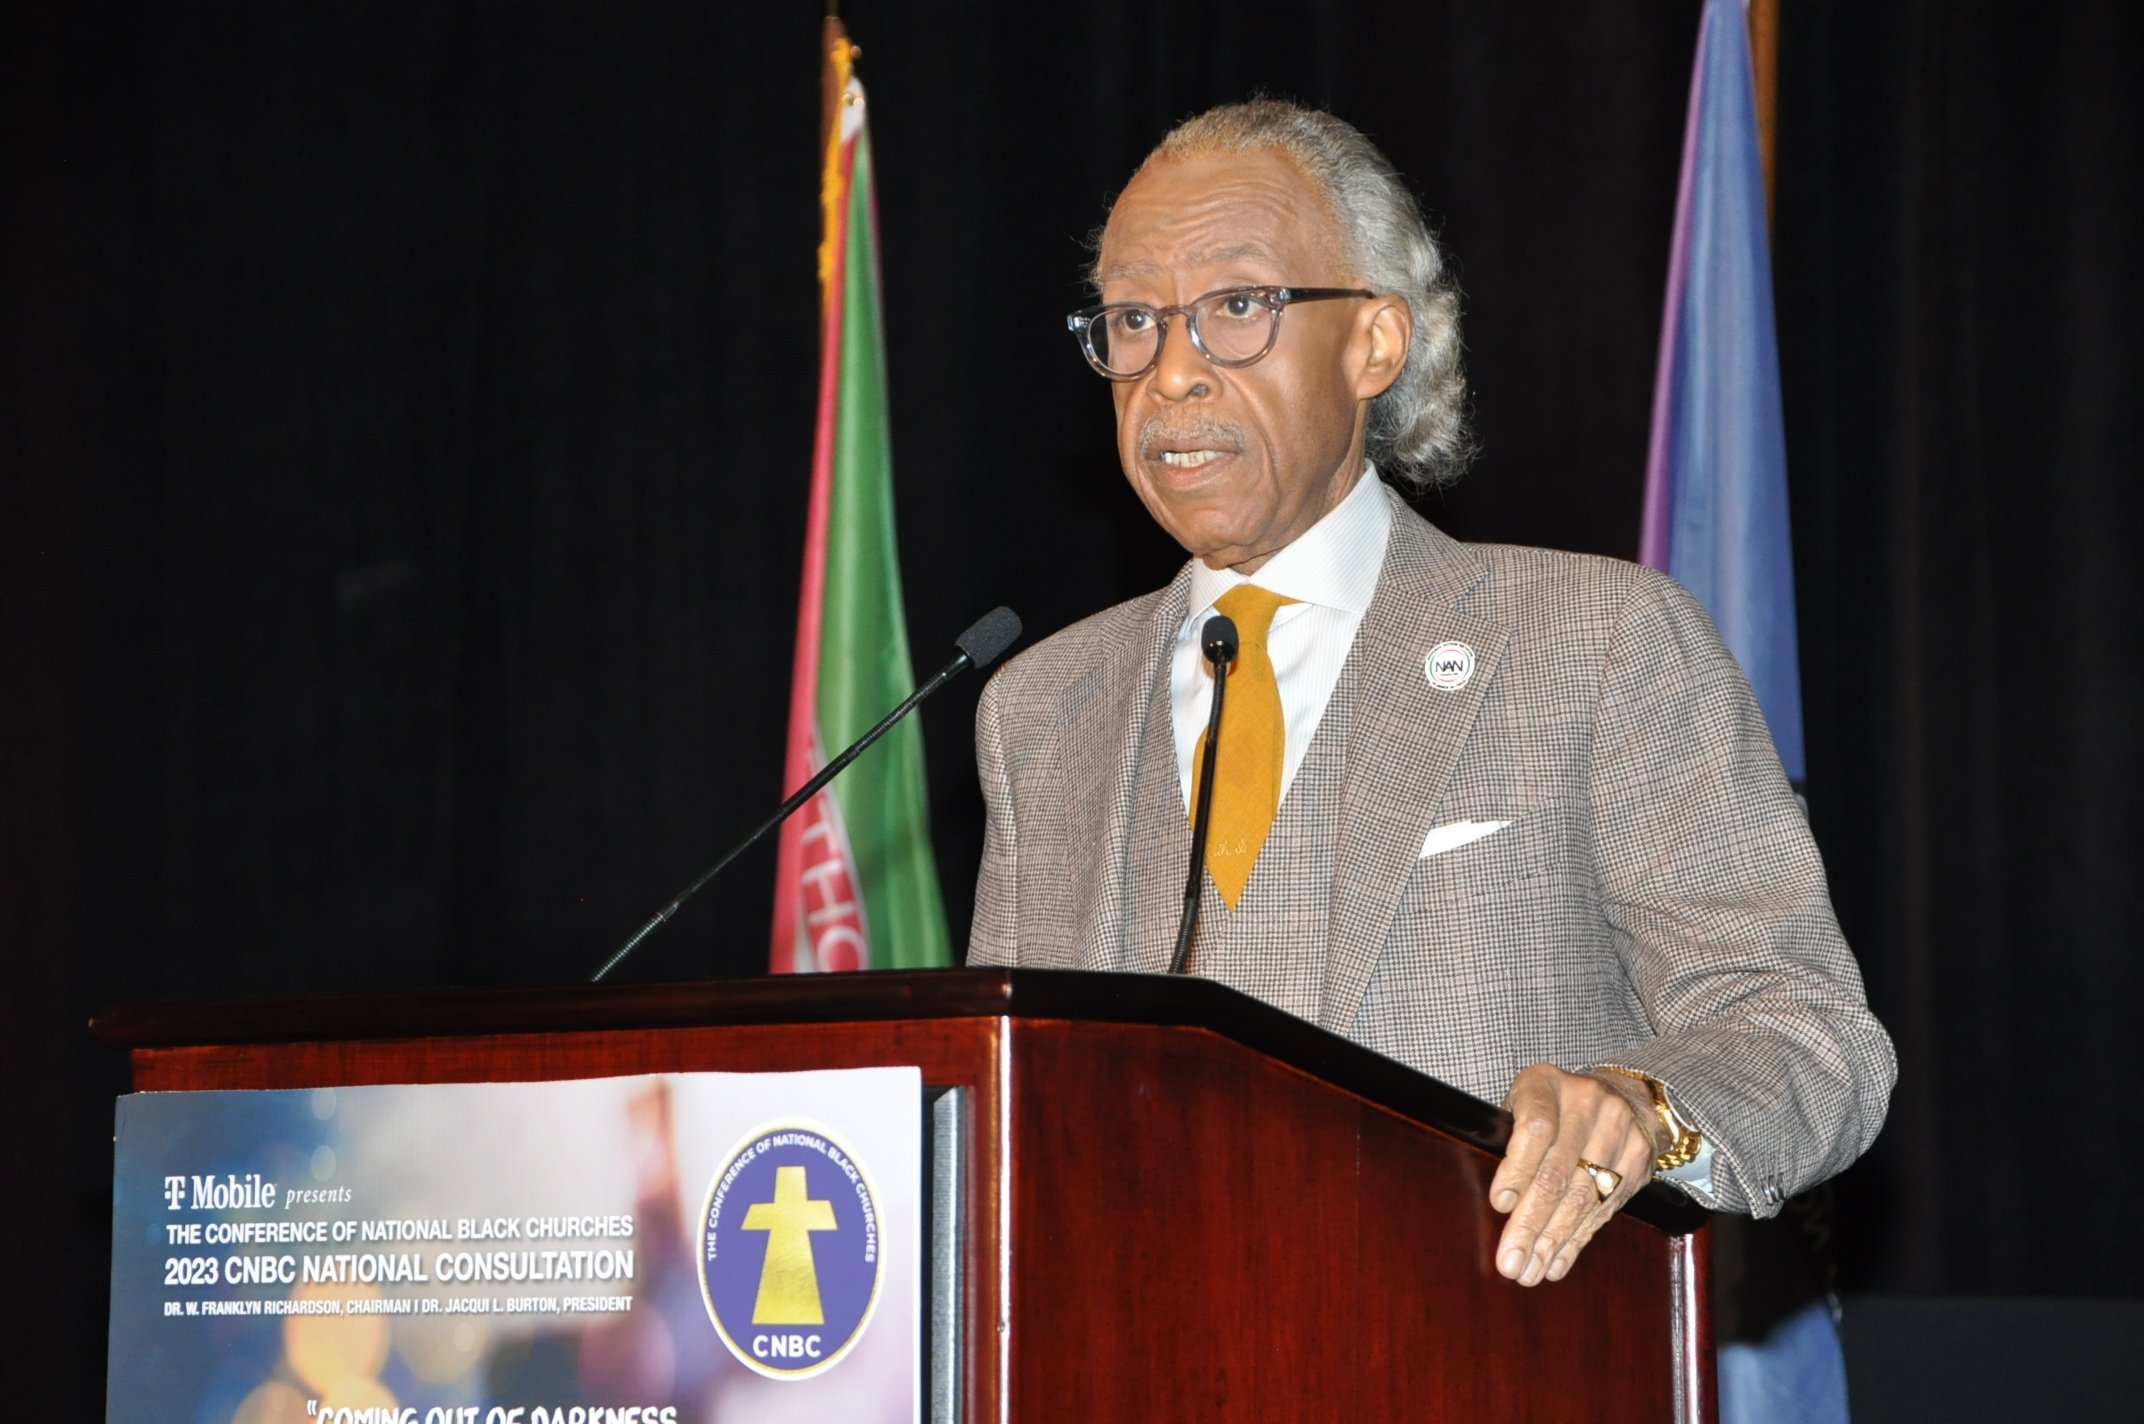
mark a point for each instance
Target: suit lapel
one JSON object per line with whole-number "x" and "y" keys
{"x": 1404, "y": 747}
{"x": 1107, "y": 716}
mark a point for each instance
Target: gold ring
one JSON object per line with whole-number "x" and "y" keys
{"x": 1606, "y": 1180}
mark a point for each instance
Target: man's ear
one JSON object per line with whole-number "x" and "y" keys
{"x": 1386, "y": 331}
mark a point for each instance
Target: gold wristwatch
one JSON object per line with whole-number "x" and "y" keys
{"x": 1685, "y": 1142}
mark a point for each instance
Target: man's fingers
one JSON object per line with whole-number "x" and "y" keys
{"x": 1558, "y": 1120}
{"x": 1572, "y": 1205}
{"x": 1543, "y": 1195}
{"x": 1618, "y": 1148}
{"x": 1533, "y": 1107}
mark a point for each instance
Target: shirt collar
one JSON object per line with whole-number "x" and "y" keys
{"x": 1334, "y": 564}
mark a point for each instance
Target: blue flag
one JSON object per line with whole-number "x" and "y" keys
{"x": 1716, "y": 473}
{"x": 1716, "y": 518}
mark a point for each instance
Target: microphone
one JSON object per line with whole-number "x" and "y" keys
{"x": 981, "y": 645}
{"x": 1218, "y": 640}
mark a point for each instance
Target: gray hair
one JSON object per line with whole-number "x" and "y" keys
{"x": 1418, "y": 428}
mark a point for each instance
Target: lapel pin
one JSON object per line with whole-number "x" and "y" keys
{"x": 1449, "y": 666}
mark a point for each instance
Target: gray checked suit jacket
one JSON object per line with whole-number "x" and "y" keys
{"x": 1655, "y": 901}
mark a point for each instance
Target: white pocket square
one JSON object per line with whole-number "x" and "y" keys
{"x": 1457, "y": 834}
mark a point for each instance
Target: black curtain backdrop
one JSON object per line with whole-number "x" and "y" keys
{"x": 408, "y": 416}
{"x": 1958, "y": 248}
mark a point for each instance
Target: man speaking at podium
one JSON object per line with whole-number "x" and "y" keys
{"x": 1508, "y": 816}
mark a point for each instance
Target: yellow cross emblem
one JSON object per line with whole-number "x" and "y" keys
{"x": 789, "y": 1283}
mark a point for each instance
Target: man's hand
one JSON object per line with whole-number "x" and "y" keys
{"x": 1557, "y": 1119}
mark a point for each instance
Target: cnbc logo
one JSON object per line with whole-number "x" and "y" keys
{"x": 790, "y": 1260}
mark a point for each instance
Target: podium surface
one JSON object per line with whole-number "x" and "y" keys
{"x": 1166, "y": 1200}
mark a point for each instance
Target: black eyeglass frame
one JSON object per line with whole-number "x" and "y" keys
{"x": 1082, "y": 322}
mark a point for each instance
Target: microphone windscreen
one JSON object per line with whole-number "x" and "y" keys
{"x": 1219, "y": 639}
{"x": 989, "y": 636}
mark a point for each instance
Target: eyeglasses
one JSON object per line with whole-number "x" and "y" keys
{"x": 1232, "y": 327}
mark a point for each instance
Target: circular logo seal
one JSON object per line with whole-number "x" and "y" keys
{"x": 1449, "y": 666}
{"x": 790, "y": 1261}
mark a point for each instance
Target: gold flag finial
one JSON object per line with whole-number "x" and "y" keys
{"x": 835, "y": 93}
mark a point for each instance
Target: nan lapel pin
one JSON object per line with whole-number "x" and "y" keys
{"x": 1450, "y": 666}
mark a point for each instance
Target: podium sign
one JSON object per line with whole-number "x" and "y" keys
{"x": 661, "y": 1249}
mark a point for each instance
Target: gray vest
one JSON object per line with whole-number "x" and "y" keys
{"x": 1273, "y": 944}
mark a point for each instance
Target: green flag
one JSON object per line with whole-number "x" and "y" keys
{"x": 856, "y": 886}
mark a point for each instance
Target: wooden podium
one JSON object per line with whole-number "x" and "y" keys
{"x": 1157, "y": 1199}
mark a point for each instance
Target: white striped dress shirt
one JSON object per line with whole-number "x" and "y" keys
{"x": 1331, "y": 571}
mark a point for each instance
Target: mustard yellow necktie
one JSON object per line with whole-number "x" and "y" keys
{"x": 1246, "y": 777}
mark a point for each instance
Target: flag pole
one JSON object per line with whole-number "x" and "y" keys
{"x": 1764, "y": 75}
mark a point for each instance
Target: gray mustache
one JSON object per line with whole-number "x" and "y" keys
{"x": 1161, "y": 432}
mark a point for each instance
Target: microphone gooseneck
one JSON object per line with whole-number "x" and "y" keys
{"x": 1219, "y": 642}
{"x": 981, "y": 645}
